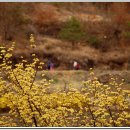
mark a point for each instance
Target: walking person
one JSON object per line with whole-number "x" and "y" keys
{"x": 76, "y": 65}
{"x": 49, "y": 65}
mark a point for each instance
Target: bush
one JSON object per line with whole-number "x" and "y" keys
{"x": 31, "y": 103}
{"x": 72, "y": 31}
{"x": 126, "y": 32}
{"x": 94, "y": 41}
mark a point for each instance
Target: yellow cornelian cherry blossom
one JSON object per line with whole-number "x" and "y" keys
{"x": 33, "y": 104}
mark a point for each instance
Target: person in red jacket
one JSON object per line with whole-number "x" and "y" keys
{"x": 77, "y": 66}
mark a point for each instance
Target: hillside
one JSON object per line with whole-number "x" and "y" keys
{"x": 105, "y": 44}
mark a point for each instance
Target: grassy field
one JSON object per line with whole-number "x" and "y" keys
{"x": 63, "y": 78}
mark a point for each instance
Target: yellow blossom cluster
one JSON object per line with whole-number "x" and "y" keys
{"x": 32, "y": 103}
{"x": 32, "y": 41}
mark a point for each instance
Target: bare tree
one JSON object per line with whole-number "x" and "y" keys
{"x": 11, "y": 19}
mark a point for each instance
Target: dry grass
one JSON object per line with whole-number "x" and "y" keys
{"x": 64, "y": 78}
{"x": 63, "y": 55}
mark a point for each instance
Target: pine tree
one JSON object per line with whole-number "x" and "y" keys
{"x": 72, "y": 31}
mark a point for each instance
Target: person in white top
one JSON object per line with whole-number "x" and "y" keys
{"x": 75, "y": 64}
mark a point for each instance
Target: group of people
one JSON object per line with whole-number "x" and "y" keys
{"x": 76, "y": 65}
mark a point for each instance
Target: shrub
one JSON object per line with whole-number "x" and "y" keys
{"x": 126, "y": 32}
{"x": 94, "y": 41}
{"x": 32, "y": 104}
{"x": 72, "y": 31}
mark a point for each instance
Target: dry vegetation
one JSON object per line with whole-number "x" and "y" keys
{"x": 105, "y": 26}
{"x": 94, "y": 34}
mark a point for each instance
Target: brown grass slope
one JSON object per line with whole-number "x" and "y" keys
{"x": 100, "y": 20}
